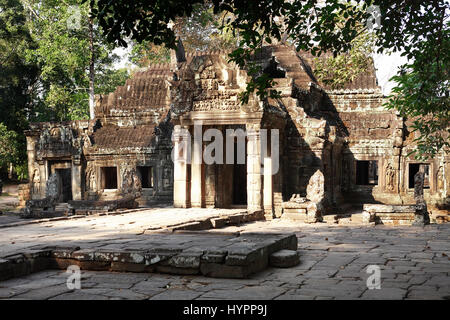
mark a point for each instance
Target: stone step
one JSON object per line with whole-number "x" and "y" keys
{"x": 284, "y": 259}
{"x": 357, "y": 217}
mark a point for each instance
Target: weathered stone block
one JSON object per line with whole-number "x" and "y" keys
{"x": 284, "y": 259}
{"x": 244, "y": 255}
{"x": 37, "y": 253}
{"x": 156, "y": 256}
{"x": 62, "y": 252}
{"x": 185, "y": 260}
{"x": 175, "y": 270}
{"x": 214, "y": 256}
{"x": 217, "y": 270}
{"x": 300, "y": 217}
{"x": 110, "y": 255}
{"x": 6, "y": 270}
{"x": 84, "y": 255}
{"x": 219, "y": 222}
{"x": 131, "y": 267}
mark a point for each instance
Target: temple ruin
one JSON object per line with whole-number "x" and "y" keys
{"x": 336, "y": 147}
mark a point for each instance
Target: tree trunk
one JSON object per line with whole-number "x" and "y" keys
{"x": 91, "y": 70}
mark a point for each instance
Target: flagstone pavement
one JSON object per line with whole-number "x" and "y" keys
{"x": 413, "y": 262}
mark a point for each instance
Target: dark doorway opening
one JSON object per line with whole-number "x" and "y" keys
{"x": 109, "y": 175}
{"x": 146, "y": 174}
{"x": 413, "y": 169}
{"x": 239, "y": 180}
{"x": 367, "y": 172}
{"x": 65, "y": 179}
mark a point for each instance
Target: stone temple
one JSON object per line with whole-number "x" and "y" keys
{"x": 337, "y": 148}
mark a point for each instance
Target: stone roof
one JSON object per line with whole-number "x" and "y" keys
{"x": 146, "y": 91}
{"x": 112, "y": 136}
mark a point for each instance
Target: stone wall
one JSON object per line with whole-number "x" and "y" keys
{"x": 360, "y": 148}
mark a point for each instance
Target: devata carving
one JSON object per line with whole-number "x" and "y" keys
{"x": 36, "y": 181}
{"x": 131, "y": 183}
{"x": 390, "y": 177}
{"x": 91, "y": 182}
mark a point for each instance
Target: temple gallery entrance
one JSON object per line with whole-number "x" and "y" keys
{"x": 65, "y": 179}
{"x": 63, "y": 170}
{"x": 228, "y": 181}
{"x": 236, "y": 181}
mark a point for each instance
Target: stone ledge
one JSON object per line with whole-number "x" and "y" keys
{"x": 211, "y": 222}
{"x": 388, "y": 214}
{"x": 235, "y": 257}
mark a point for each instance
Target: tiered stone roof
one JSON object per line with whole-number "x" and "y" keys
{"x": 112, "y": 136}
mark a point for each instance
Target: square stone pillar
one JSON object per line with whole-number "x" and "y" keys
{"x": 76, "y": 182}
{"x": 197, "y": 171}
{"x": 268, "y": 188}
{"x": 210, "y": 186}
{"x": 181, "y": 154}
{"x": 254, "y": 174}
{"x": 31, "y": 146}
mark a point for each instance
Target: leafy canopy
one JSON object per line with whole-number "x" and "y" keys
{"x": 415, "y": 27}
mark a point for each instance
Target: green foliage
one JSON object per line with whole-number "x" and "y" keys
{"x": 63, "y": 55}
{"x": 199, "y": 32}
{"x": 316, "y": 26}
{"x": 337, "y": 71}
{"x": 18, "y": 83}
{"x": 145, "y": 53}
{"x": 18, "y": 77}
{"x": 422, "y": 94}
{"x": 44, "y": 68}
{"x": 9, "y": 147}
{"x": 108, "y": 80}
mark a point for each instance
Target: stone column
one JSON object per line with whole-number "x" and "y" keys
{"x": 76, "y": 182}
{"x": 268, "y": 188}
{"x": 44, "y": 174}
{"x": 254, "y": 177}
{"x": 421, "y": 216}
{"x": 197, "y": 174}
{"x": 31, "y": 145}
{"x": 210, "y": 185}
{"x": 181, "y": 186}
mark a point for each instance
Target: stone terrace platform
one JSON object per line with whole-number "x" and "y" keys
{"x": 212, "y": 255}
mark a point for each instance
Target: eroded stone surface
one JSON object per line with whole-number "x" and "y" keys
{"x": 284, "y": 259}
{"x": 240, "y": 256}
{"x": 414, "y": 264}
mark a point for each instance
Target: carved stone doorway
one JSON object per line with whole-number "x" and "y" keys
{"x": 65, "y": 183}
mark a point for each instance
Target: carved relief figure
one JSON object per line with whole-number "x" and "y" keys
{"x": 131, "y": 184}
{"x": 36, "y": 181}
{"x": 390, "y": 177}
{"x": 91, "y": 184}
{"x": 44, "y": 139}
{"x": 440, "y": 178}
{"x": 167, "y": 177}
